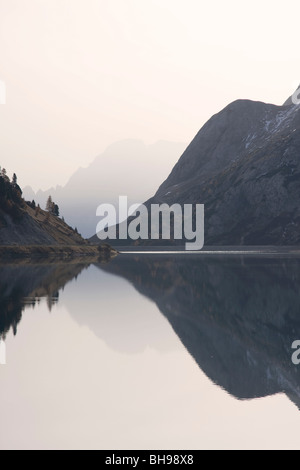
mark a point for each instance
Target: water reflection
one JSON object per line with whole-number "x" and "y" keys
{"x": 2, "y": 352}
{"x": 128, "y": 323}
{"x": 23, "y": 285}
{"x": 237, "y": 317}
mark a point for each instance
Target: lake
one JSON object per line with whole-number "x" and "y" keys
{"x": 149, "y": 351}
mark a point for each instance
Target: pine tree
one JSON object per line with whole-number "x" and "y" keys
{"x": 4, "y": 174}
{"x": 37, "y": 210}
{"x": 49, "y": 205}
{"x": 56, "y": 210}
{"x": 15, "y": 179}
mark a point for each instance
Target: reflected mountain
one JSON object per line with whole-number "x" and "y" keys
{"x": 25, "y": 284}
{"x": 237, "y": 317}
{"x": 116, "y": 314}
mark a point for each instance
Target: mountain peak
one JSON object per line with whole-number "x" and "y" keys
{"x": 289, "y": 101}
{"x": 244, "y": 166}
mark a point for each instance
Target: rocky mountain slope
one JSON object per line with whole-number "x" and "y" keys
{"x": 244, "y": 166}
{"x": 36, "y": 229}
{"x": 21, "y": 224}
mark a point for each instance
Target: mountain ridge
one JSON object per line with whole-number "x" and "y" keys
{"x": 26, "y": 231}
{"x": 244, "y": 166}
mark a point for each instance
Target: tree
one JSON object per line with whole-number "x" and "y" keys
{"x": 15, "y": 179}
{"x": 56, "y": 210}
{"x": 4, "y": 174}
{"x": 49, "y": 205}
{"x": 37, "y": 210}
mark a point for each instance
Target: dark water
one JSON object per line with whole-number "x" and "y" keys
{"x": 151, "y": 352}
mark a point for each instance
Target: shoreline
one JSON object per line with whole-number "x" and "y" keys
{"x": 219, "y": 251}
{"x": 9, "y": 252}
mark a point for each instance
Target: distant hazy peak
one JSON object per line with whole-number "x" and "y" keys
{"x": 128, "y": 167}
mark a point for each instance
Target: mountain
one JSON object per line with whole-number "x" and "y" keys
{"x": 128, "y": 168}
{"x": 236, "y": 316}
{"x": 23, "y": 224}
{"x": 30, "y": 228}
{"x": 244, "y": 166}
{"x": 290, "y": 100}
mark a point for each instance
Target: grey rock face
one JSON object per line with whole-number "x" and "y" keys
{"x": 244, "y": 165}
{"x": 291, "y": 100}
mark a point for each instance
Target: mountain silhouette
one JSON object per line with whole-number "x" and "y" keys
{"x": 244, "y": 166}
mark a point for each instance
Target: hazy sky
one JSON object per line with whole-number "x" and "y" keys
{"x": 82, "y": 74}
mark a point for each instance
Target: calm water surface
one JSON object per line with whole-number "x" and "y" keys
{"x": 150, "y": 352}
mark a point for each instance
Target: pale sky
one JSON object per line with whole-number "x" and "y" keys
{"x": 82, "y": 74}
